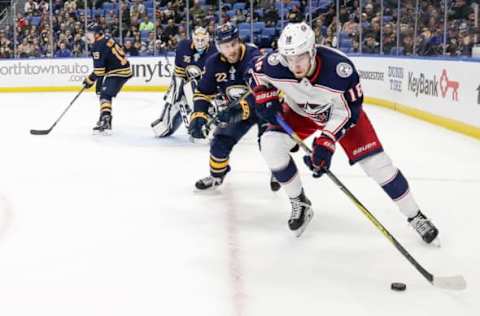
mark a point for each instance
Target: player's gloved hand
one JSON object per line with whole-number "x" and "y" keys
{"x": 233, "y": 114}
{"x": 225, "y": 116}
{"x": 267, "y": 103}
{"x": 198, "y": 123}
{"x": 321, "y": 157}
{"x": 88, "y": 83}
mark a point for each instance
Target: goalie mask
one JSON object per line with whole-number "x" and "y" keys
{"x": 200, "y": 39}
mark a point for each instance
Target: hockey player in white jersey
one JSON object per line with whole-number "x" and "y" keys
{"x": 190, "y": 58}
{"x": 322, "y": 95}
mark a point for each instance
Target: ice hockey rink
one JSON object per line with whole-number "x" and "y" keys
{"x": 98, "y": 226}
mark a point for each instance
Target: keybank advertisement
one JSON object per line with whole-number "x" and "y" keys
{"x": 446, "y": 88}
{"x": 71, "y": 71}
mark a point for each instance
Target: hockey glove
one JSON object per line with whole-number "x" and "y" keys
{"x": 198, "y": 124}
{"x": 267, "y": 103}
{"x": 88, "y": 82}
{"x": 321, "y": 157}
{"x": 234, "y": 114}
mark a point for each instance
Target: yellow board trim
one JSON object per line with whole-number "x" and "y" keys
{"x": 447, "y": 123}
{"x": 77, "y": 88}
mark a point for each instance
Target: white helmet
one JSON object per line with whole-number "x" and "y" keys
{"x": 200, "y": 38}
{"x": 296, "y": 39}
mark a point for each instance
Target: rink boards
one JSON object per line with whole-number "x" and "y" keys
{"x": 443, "y": 92}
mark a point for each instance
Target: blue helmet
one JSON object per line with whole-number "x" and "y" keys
{"x": 94, "y": 28}
{"x": 226, "y": 33}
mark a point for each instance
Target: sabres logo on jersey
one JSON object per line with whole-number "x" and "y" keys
{"x": 318, "y": 113}
{"x": 235, "y": 92}
{"x": 187, "y": 59}
{"x": 193, "y": 72}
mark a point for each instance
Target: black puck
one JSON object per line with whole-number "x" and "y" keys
{"x": 398, "y": 286}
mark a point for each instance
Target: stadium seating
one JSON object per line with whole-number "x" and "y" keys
{"x": 262, "y": 35}
{"x": 35, "y": 20}
{"x": 239, "y": 6}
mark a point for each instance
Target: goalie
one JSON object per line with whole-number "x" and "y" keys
{"x": 190, "y": 57}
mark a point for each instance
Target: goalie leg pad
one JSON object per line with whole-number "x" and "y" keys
{"x": 169, "y": 121}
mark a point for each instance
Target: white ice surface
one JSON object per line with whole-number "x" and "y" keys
{"x": 97, "y": 226}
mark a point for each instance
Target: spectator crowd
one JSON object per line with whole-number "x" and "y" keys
{"x": 145, "y": 29}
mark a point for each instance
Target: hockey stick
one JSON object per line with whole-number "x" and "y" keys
{"x": 46, "y": 131}
{"x": 184, "y": 115}
{"x": 456, "y": 282}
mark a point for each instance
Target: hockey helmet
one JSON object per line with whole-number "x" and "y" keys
{"x": 94, "y": 28}
{"x": 225, "y": 33}
{"x": 297, "y": 39}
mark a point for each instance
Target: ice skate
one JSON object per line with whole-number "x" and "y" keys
{"x": 302, "y": 214}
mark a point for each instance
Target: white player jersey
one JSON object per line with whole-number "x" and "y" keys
{"x": 331, "y": 97}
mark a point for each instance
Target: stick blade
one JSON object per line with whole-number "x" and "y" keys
{"x": 39, "y": 132}
{"x": 456, "y": 282}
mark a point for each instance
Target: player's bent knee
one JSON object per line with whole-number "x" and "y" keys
{"x": 379, "y": 167}
{"x": 275, "y": 147}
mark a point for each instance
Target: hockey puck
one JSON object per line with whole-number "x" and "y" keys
{"x": 397, "y": 286}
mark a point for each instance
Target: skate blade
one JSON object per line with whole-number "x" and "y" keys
{"x": 308, "y": 219}
{"x": 198, "y": 141}
{"x": 107, "y": 132}
{"x": 214, "y": 190}
{"x": 435, "y": 243}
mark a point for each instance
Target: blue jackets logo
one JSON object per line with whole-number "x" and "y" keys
{"x": 318, "y": 112}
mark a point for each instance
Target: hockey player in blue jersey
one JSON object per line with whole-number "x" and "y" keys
{"x": 225, "y": 74}
{"x": 111, "y": 71}
{"x": 190, "y": 57}
{"x": 322, "y": 95}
